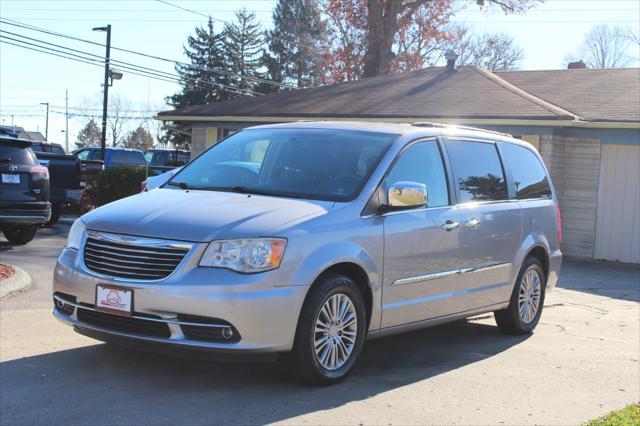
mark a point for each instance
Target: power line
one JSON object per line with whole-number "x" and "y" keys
{"x": 49, "y": 32}
{"x": 77, "y": 58}
{"x": 225, "y": 22}
{"x": 121, "y": 64}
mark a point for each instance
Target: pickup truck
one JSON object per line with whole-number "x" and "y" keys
{"x": 113, "y": 156}
{"x": 67, "y": 173}
{"x": 163, "y": 160}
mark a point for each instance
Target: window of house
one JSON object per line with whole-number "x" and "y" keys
{"x": 422, "y": 163}
{"x": 478, "y": 171}
{"x": 529, "y": 177}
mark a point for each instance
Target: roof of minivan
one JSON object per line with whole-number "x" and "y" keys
{"x": 423, "y": 129}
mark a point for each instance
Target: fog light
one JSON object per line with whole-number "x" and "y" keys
{"x": 59, "y": 304}
{"x": 227, "y": 333}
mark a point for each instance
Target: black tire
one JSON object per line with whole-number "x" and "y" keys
{"x": 509, "y": 320}
{"x": 20, "y": 235}
{"x": 55, "y": 215}
{"x": 307, "y": 367}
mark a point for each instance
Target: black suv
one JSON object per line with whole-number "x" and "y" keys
{"x": 24, "y": 190}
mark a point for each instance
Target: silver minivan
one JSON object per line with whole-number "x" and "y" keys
{"x": 304, "y": 239}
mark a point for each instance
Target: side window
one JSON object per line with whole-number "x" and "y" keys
{"x": 478, "y": 171}
{"x": 83, "y": 155}
{"x": 94, "y": 154}
{"x": 529, "y": 178}
{"x": 422, "y": 163}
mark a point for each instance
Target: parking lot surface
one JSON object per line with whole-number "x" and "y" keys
{"x": 582, "y": 361}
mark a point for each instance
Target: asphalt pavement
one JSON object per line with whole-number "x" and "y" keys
{"x": 582, "y": 361}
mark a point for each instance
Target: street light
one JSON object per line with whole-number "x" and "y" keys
{"x": 46, "y": 127}
{"x": 105, "y": 99}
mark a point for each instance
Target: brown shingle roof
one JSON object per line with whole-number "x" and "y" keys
{"x": 594, "y": 94}
{"x": 469, "y": 92}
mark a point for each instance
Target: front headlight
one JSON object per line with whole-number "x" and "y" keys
{"x": 75, "y": 234}
{"x": 245, "y": 255}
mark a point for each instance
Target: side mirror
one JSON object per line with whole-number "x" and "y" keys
{"x": 402, "y": 195}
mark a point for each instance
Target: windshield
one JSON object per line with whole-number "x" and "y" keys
{"x": 322, "y": 164}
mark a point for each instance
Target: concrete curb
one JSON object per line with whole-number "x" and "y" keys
{"x": 19, "y": 281}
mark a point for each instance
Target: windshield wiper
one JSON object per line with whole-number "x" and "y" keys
{"x": 182, "y": 185}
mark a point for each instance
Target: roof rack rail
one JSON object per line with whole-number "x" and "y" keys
{"x": 475, "y": 129}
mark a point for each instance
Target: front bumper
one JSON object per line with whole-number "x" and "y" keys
{"x": 263, "y": 315}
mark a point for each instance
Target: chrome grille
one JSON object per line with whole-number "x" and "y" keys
{"x": 133, "y": 258}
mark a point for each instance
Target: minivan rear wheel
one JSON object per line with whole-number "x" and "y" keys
{"x": 20, "y": 235}
{"x": 330, "y": 332}
{"x": 527, "y": 300}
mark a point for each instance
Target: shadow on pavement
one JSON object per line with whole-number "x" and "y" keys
{"x": 106, "y": 384}
{"x": 609, "y": 279}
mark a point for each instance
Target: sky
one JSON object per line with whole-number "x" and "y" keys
{"x": 27, "y": 78}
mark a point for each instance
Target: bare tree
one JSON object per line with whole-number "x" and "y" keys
{"x": 490, "y": 51}
{"x": 118, "y": 109}
{"x": 606, "y": 47}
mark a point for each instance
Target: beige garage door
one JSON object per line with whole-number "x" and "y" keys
{"x": 618, "y": 224}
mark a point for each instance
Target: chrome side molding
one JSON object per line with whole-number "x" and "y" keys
{"x": 438, "y": 275}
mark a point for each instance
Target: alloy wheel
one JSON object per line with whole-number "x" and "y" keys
{"x": 529, "y": 297}
{"x": 335, "y": 331}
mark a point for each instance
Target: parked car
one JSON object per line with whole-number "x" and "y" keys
{"x": 162, "y": 160}
{"x": 24, "y": 190}
{"x": 67, "y": 174}
{"x": 113, "y": 156}
{"x": 44, "y": 146}
{"x": 304, "y": 239}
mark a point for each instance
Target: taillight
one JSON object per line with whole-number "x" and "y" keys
{"x": 40, "y": 170}
{"x": 559, "y": 226}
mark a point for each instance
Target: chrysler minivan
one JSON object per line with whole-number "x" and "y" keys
{"x": 304, "y": 239}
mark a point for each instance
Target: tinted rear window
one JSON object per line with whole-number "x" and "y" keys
{"x": 478, "y": 171}
{"x": 529, "y": 178}
{"x": 17, "y": 155}
{"x": 127, "y": 157}
{"x": 57, "y": 149}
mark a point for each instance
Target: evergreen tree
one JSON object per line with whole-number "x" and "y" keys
{"x": 204, "y": 79}
{"x": 90, "y": 135}
{"x": 139, "y": 138}
{"x": 244, "y": 51}
{"x": 296, "y": 42}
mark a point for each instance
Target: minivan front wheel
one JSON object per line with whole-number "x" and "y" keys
{"x": 330, "y": 332}
{"x": 524, "y": 310}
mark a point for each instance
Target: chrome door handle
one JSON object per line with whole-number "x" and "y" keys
{"x": 472, "y": 223}
{"x": 450, "y": 225}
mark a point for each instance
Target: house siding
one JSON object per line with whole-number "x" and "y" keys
{"x": 574, "y": 165}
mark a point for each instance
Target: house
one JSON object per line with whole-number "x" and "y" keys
{"x": 585, "y": 123}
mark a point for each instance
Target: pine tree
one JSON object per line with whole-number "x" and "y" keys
{"x": 139, "y": 138}
{"x": 89, "y": 135}
{"x": 296, "y": 42}
{"x": 243, "y": 41}
{"x": 203, "y": 80}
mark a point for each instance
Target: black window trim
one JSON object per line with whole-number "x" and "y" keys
{"x": 513, "y": 196}
{"x": 505, "y": 173}
{"x": 372, "y": 206}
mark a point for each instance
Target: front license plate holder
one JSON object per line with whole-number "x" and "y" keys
{"x": 114, "y": 300}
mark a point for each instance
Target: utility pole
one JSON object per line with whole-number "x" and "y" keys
{"x": 46, "y": 128}
{"x": 105, "y": 99}
{"x": 66, "y": 119}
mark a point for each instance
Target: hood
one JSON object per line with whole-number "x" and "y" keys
{"x": 200, "y": 216}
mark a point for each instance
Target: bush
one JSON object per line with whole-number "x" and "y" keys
{"x": 115, "y": 183}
